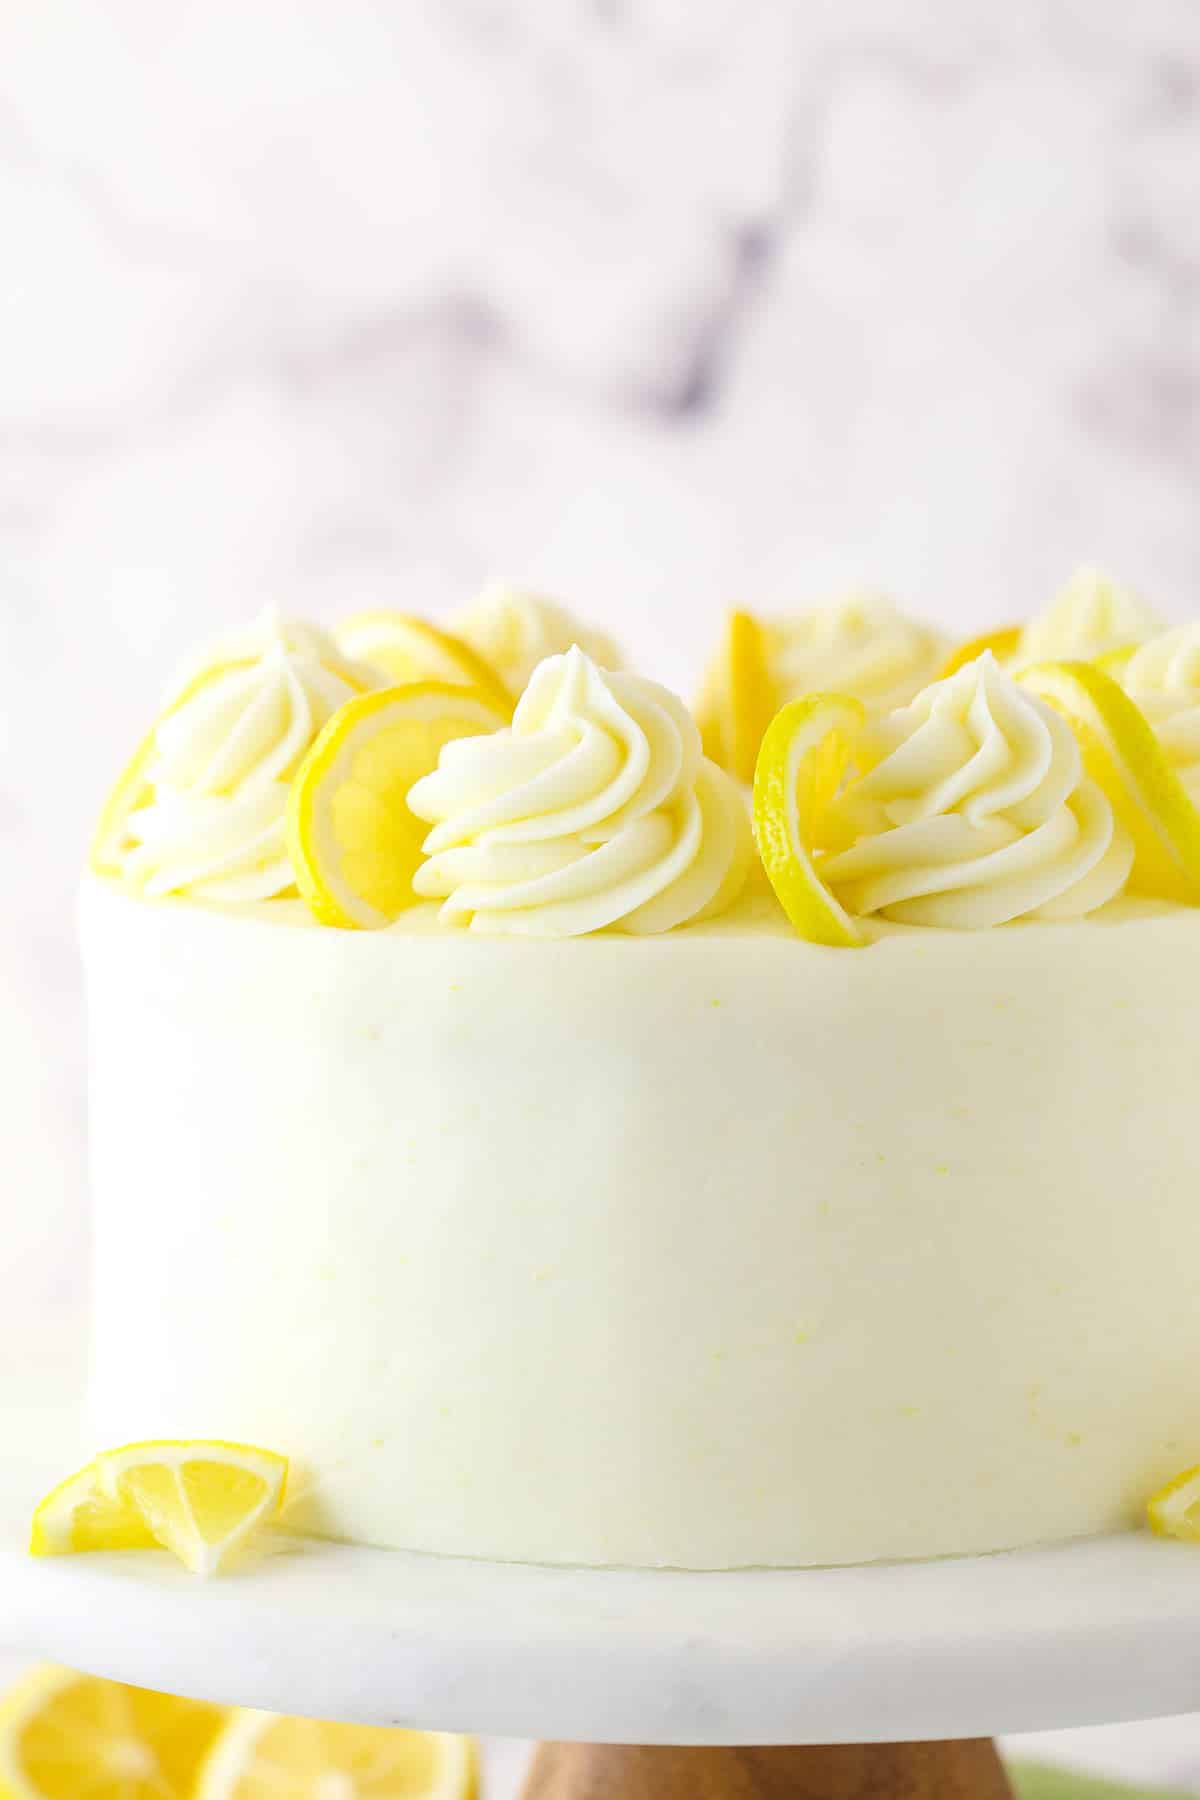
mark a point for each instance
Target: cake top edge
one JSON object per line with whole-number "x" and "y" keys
{"x": 848, "y": 769}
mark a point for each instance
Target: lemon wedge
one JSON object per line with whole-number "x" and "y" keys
{"x": 264, "y": 1756}
{"x": 200, "y": 1499}
{"x": 1175, "y": 1510}
{"x": 409, "y": 649}
{"x": 800, "y": 767}
{"x": 1002, "y": 641}
{"x": 78, "y": 1515}
{"x": 739, "y": 697}
{"x": 65, "y": 1735}
{"x": 1124, "y": 757}
{"x": 354, "y": 844}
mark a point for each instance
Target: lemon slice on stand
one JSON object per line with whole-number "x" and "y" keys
{"x": 265, "y": 1756}
{"x": 1174, "y": 1511}
{"x": 1124, "y": 757}
{"x": 355, "y": 845}
{"x": 64, "y": 1736}
{"x": 200, "y": 1499}
{"x": 409, "y": 649}
{"x": 804, "y": 756}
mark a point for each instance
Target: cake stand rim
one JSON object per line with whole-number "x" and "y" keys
{"x": 1091, "y": 1632}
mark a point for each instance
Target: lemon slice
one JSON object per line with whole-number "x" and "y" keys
{"x": 1175, "y": 1510}
{"x": 410, "y": 649}
{"x": 264, "y": 1756}
{"x": 1002, "y": 641}
{"x": 131, "y": 788}
{"x": 64, "y": 1736}
{"x": 200, "y": 1499}
{"x": 1124, "y": 757}
{"x": 354, "y": 844}
{"x": 738, "y": 699}
{"x": 800, "y": 767}
{"x": 128, "y": 792}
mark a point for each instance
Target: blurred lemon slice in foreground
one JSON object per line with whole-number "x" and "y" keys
{"x": 264, "y": 1756}
{"x": 65, "y": 1736}
{"x": 409, "y": 649}
{"x": 800, "y": 767}
{"x": 1175, "y": 1510}
{"x": 200, "y": 1499}
{"x": 355, "y": 845}
{"x": 1124, "y": 757}
{"x": 1002, "y": 641}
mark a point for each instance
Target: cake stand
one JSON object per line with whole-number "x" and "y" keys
{"x": 894, "y": 1676}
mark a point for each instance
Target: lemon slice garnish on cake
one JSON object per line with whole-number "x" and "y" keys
{"x": 1124, "y": 757}
{"x": 66, "y": 1736}
{"x": 127, "y": 793}
{"x": 409, "y": 649}
{"x": 355, "y": 845}
{"x": 739, "y": 697}
{"x": 1002, "y": 641}
{"x": 1174, "y": 1511}
{"x": 800, "y": 768}
{"x": 261, "y": 1755}
{"x": 202, "y": 1500}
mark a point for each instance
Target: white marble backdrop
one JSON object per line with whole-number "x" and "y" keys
{"x": 651, "y": 302}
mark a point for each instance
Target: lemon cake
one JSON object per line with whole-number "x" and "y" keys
{"x": 479, "y": 1120}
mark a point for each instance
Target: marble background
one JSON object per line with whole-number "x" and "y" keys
{"x": 651, "y": 302}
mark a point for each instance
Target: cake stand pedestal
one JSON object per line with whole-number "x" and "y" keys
{"x": 966, "y": 1770}
{"x": 893, "y": 1676}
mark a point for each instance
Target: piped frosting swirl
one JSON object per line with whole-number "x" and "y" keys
{"x": 975, "y": 811}
{"x": 515, "y": 631}
{"x": 861, "y": 645}
{"x": 595, "y": 809}
{"x": 1163, "y": 677}
{"x": 234, "y": 730}
{"x": 1090, "y": 616}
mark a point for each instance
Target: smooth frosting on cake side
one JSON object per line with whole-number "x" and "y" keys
{"x": 704, "y": 1249}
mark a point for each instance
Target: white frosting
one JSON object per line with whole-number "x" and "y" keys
{"x": 596, "y": 808}
{"x": 515, "y": 631}
{"x": 860, "y": 645}
{"x": 1090, "y": 616}
{"x": 976, "y": 812}
{"x": 237, "y": 724}
{"x": 703, "y": 1249}
{"x": 1163, "y": 677}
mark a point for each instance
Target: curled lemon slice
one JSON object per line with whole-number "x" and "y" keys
{"x": 1002, "y": 641}
{"x": 128, "y": 792}
{"x": 739, "y": 697}
{"x": 200, "y": 1499}
{"x": 261, "y": 1754}
{"x": 132, "y": 788}
{"x": 800, "y": 767}
{"x": 409, "y": 649}
{"x": 1124, "y": 757}
{"x": 64, "y": 1735}
{"x": 355, "y": 845}
{"x": 1175, "y": 1510}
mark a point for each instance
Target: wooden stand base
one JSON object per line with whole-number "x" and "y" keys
{"x": 965, "y": 1770}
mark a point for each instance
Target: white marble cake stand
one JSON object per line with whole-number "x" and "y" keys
{"x": 1092, "y": 1632}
